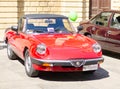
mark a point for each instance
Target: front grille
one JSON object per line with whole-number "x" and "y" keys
{"x": 77, "y": 63}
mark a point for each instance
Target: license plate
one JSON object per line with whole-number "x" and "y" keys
{"x": 90, "y": 67}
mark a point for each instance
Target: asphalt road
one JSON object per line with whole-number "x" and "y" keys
{"x": 12, "y": 76}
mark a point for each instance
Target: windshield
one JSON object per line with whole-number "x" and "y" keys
{"x": 52, "y": 25}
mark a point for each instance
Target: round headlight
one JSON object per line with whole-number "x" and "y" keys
{"x": 96, "y": 48}
{"x": 41, "y": 48}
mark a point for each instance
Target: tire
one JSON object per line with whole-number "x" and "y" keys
{"x": 30, "y": 71}
{"x": 89, "y": 36}
{"x": 10, "y": 53}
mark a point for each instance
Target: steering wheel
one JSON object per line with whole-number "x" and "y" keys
{"x": 60, "y": 30}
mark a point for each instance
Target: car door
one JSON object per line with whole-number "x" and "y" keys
{"x": 100, "y": 27}
{"x": 20, "y": 38}
{"x": 113, "y": 34}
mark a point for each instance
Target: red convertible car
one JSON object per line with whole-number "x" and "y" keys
{"x": 105, "y": 29}
{"x": 48, "y": 42}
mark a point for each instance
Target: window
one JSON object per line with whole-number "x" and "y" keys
{"x": 101, "y": 19}
{"x": 49, "y": 25}
{"x": 115, "y": 22}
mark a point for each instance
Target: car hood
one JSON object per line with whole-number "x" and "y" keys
{"x": 62, "y": 40}
{"x": 67, "y": 46}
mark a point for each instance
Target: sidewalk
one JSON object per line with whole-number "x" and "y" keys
{"x": 2, "y": 44}
{"x": 1, "y": 35}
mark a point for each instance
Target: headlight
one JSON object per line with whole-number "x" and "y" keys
{"x": 96, "y": 48}
{"x": 41, "y": 48}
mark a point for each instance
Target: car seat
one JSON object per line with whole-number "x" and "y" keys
{"x": 30, "y": 26}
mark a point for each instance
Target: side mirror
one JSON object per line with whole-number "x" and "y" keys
{"x": 14, "y": 28}
{"x": 79, "y": 28}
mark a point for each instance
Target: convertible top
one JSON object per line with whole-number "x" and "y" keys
{"x": 42, "y": 16}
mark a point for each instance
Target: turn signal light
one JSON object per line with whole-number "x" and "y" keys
{"x": 101, "y": 61}
{"x": 47, "y": 64}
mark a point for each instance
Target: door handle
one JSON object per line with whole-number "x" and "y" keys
{"x": 109, "y": 32}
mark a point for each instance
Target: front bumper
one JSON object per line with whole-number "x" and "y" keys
{"x": 72, "y": 63}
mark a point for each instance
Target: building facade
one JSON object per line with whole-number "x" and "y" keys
{"x": 11, "y": 10}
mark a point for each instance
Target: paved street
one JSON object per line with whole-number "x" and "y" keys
{"x": 12, "y": 76}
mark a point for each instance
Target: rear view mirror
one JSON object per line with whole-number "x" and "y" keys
{"x": 14, "y": 28}
{"x": 79, "y": 28}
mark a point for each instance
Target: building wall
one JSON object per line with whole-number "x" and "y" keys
{"x": 8, "y": 13}
{"x": 11, "y": 10}
{"x": 115, "y": 4}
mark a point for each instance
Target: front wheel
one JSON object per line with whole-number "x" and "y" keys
{"x": 31, "y": 72}
{"x": 88, "y": 35}
{"x": 10, "y": 53}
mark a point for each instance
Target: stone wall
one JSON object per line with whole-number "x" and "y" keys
{"x": 8, "y": 13}
{"x": 11, "y": 10}
{"x": 115, "y": 4}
